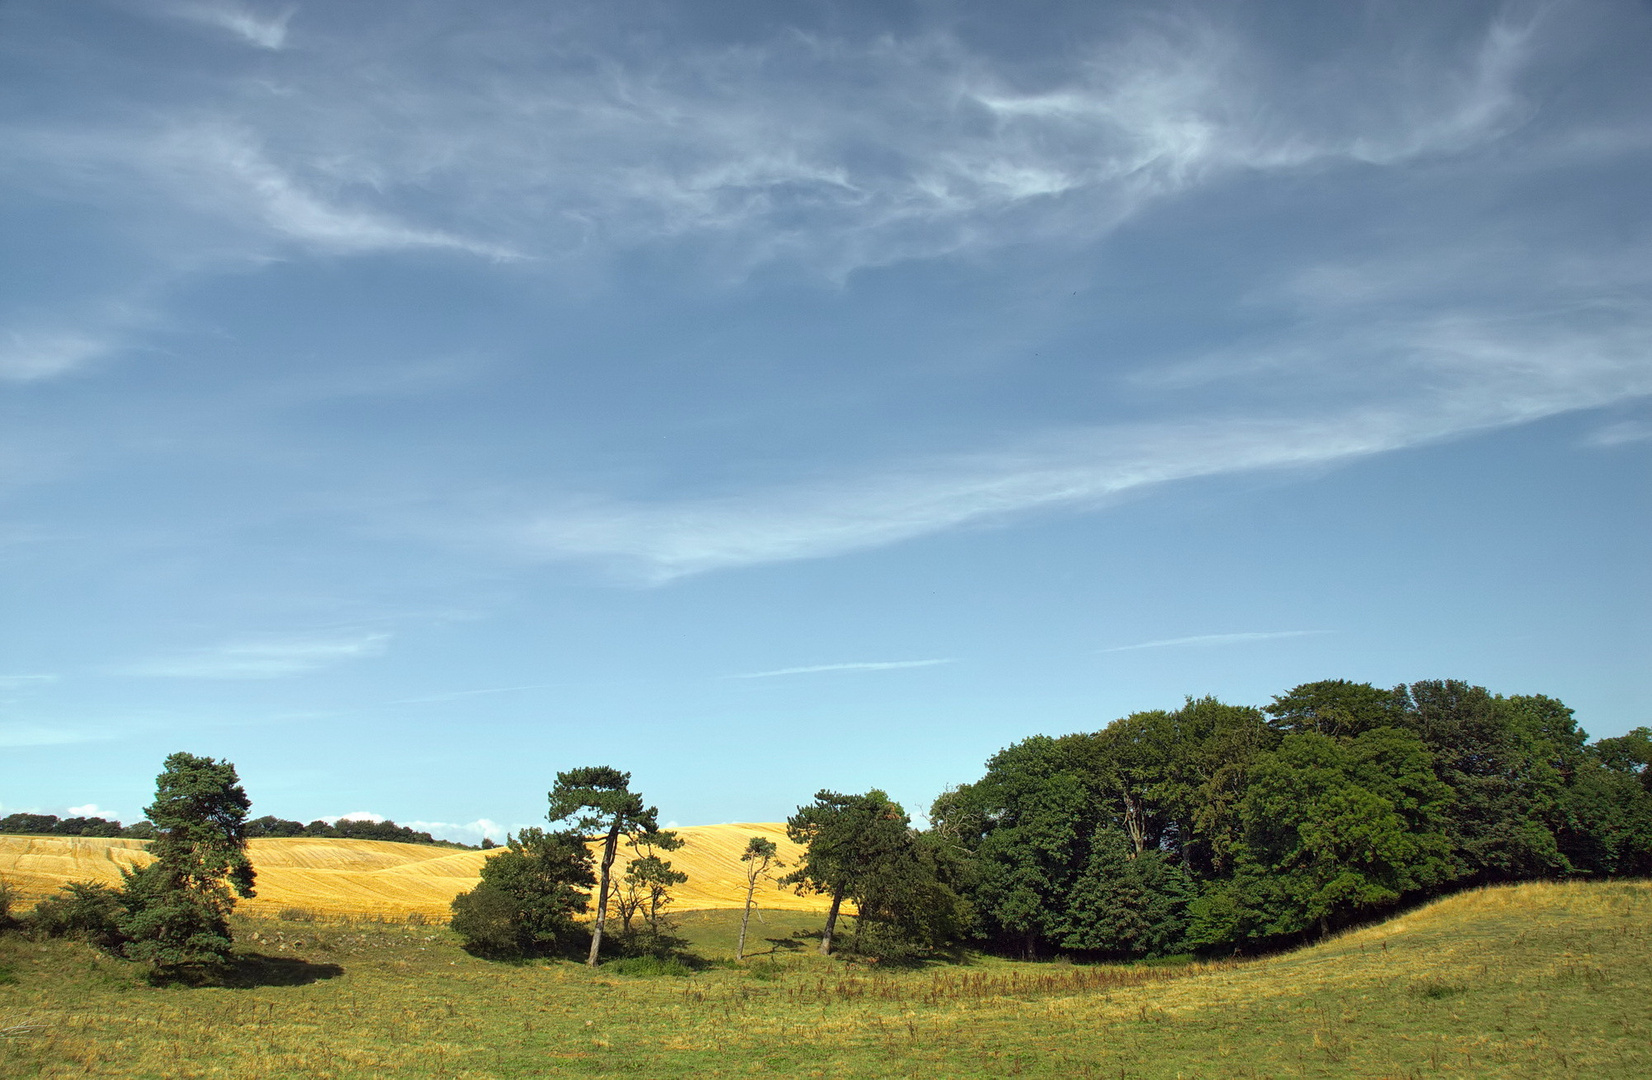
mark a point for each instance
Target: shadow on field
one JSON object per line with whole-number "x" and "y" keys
{"x": 779, "y": 945}
{"x": 255, "y": 969}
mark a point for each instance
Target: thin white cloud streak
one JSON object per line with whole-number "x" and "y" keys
{"x": 26, "y": 682}
{"x": 265, "y": 659}
{"x": 17, "y": 736}
{"x": 32, "y": 356}
{"x": 226, "y": 163}
{"x": 1478, "y": 374}
{"x": 457, "y": 695}
{"x": 242, "y": 20}
{"x": 1217, "y": 639}
{"x": 865, "y": 665}
{"x": 1620, "y": 434}
{"x": 89, "y": 810}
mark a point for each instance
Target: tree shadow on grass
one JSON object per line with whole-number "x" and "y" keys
{"x": 249, "y": 971}
{"x": 779, "y": 945}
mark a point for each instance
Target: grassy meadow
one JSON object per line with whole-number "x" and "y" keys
{"x": 1519, "y": 981}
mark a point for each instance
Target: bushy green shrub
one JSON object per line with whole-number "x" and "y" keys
{"x": 490, "y": 921}
{"x": 169, "y": 926}
{"x": 88, "y": 910}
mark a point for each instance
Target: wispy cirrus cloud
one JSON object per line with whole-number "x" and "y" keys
{"x": 863, "y": 665}
{"x": 459, "y": 695}
{"x": 28, "y": 357}
{"x": 1620, "y": 433}
{"x": 20, "y": 735}
{"x": 833, "y": 153}
{"x": 264, "y": 29}
{"x": 268, "y": 658}
{"x": 1218, "y": 639}
{"x": 26, "y": 682}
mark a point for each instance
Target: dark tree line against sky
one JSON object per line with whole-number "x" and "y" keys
{"x": 1218, "y": 827}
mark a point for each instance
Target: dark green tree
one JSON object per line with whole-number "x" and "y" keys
{"x": 1630, "y": 753}
{"x": 1024, "y": 828}
{"x": 1126, "y": 904}
{"x": 599, "y": 799}
{"x": 177, "y": 907}
{"x": 1336, "y": 707}
{"x": 1334, "y": 827}
{"x": 528, "y": 897}
{"x": 1505, "y": 761}
{"x": 862, "y": 848}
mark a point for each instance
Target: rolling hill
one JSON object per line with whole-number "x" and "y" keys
{"x": 371, "y": 877}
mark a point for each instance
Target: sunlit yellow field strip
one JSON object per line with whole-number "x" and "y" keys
{"x": 370, "y": 877}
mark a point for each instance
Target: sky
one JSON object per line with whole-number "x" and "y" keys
{"x": 407, "y": 401}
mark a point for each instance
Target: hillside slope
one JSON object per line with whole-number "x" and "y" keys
{"x": 371, "y": 877}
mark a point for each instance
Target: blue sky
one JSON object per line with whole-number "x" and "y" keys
{"x": 408, "y": 401}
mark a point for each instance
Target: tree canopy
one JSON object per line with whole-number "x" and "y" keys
{"x": 1225, "y": 827}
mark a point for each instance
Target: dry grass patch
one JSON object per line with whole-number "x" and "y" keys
{"x": 1528, "y": 981}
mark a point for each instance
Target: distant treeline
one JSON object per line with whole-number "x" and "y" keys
{"x": 1221, "y": 827}
{"x": 257, "y": 828}
{"x": 269, "y": 826}
{"x": 52, "y": 825}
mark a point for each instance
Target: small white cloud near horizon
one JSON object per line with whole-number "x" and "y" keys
{"x": 268, "y": 659}
{"x": 468, "y": 833}
{"x": 356, "y": 815}
{"x": 91, "y": 809}
{"x": 1219, "y": 639}
{"x": 864, "y": 665}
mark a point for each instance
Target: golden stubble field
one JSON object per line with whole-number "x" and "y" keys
{"x": 371, "y": 877}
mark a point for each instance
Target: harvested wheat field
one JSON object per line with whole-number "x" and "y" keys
{"x": 371, "y": 877}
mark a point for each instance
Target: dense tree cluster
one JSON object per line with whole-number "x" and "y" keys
{"x": 1218, "y": 827}
{"x": 530, "y": 893}
{"x": 52, "y": 825}
{"x": 863, "y": 849}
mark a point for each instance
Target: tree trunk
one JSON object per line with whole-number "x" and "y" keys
{"x": 1133, "y": 823}
{"x": 831, "y": 922}
{"x": 609, "y": 849}
{"x": 740, "y": 949}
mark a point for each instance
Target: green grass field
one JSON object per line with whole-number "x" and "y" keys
{"x": 1525, "y": 981}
